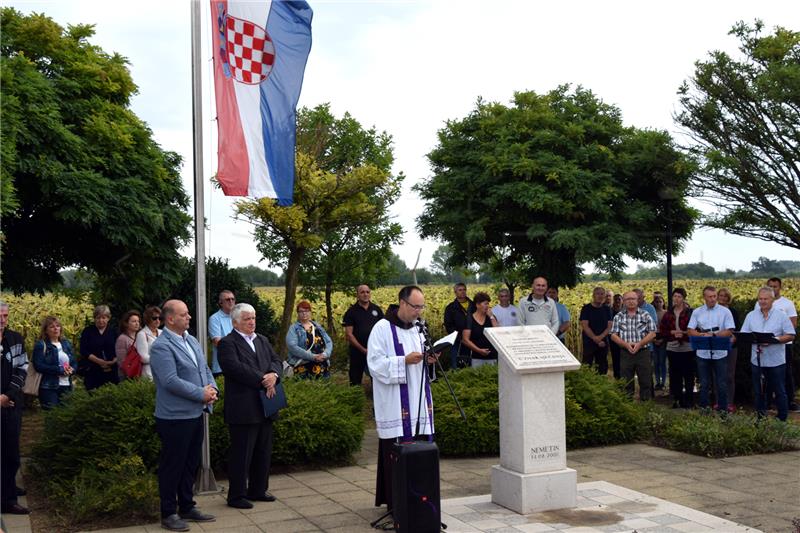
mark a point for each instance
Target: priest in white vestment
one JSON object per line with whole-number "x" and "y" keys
{"x": 394, "y": 356}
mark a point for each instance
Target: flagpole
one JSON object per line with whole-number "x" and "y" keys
{"x": 205, "y": 481}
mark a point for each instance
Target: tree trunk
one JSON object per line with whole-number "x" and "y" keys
{"x": 511, "y": 287}
{"x": 329, "y": 308}
{"x": 290, "y": 292}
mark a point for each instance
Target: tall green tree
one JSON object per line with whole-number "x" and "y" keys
{"x": 743, "y": 114}
{"x": 83, "y": 182}
{"x": 343, "y": 188}
{"x": 551, "y": 182}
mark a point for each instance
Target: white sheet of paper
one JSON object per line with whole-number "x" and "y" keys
{"x": 447, "y": 339}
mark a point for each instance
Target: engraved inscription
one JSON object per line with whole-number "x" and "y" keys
{"x": 539, "y": 453}
{"x": 528, "y": 347}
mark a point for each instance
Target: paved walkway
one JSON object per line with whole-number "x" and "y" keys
{"x": 762, "y": 492}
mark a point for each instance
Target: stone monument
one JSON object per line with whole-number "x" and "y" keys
{"x": 532, "y": 475}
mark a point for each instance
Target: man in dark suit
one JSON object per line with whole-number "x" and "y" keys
{"x": 251, "y": 368}
{"x": 184, "y": 389}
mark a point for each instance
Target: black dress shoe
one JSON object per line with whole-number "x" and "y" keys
{"x": 15, "y": 508}
{"x": 240, "y": 503}
{"x": 266, "y": 497}
{"x": 21, "y": 491}
{"x": 174, "y": 523}
{"x": 194, "y": 515}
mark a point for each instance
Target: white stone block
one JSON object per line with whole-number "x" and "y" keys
{"x": 531, "y": 493}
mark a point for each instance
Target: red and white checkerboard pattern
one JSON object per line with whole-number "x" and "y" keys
{"x": 251, "y": 53}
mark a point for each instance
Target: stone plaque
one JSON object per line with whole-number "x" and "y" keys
{"x": 531, "y": 349}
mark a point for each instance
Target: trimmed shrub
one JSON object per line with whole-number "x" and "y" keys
{"x": 597, "y": 412}
{"x": 476, "y": 390}
{"x": 324, "y": 424}
{"x": 710, "y": 435}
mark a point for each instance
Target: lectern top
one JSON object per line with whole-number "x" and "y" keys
{"x": 531, "y": 349}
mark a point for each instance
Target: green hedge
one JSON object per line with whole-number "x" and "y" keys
{"x": 597, "y": 412}
{"x": 711, "y": 435}
{"x": 98, "y": 452}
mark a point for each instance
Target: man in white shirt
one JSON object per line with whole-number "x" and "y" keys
{"x": 537, "y": 309}
{"x": 219, "y": 325}
{"x": 787, "y": 306}
{"x": 712, "y": 320}
{"x": 506, "y": 313}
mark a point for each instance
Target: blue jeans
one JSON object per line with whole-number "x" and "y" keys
{"x": 775, "y": 377}
{"x": 51, "y": 397}
{"x": 719, "y": 367}
{"x": 660, "y": 363}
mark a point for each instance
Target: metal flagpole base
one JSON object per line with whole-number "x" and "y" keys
{"x": 205, "y": 482}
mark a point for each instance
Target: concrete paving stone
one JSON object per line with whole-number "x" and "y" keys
{"x": 228, "y": 521}
{"x": 666, "y": 519}
{"x": 351, "y": 528}
{"x": 293, "y": 492}
{"x": 264, "y": 517}
{"x": 505, "y": 529}
{"x": 638, "y": 523}
{"x": 352, "y": 495}
{"x": 333, "y": 488}
{"x": 366, "y": 484}
{"x": 489, "y": 507}
{"x": 591, "y": 493}
{"x": 283, "y": 482}
{"x": 609, "y": 499}
{"x": 370, "y": 514}
{"x": 328, "y": 521}
{"x": 304, "y": 501}
{"x": 666, "y": 492}
{"x": 210, "y": 528}
{"x": 485, "y": 525}
{"x": 730, "y": 496}
{"x": 264, "y": 506}
{"x": 314, "y": 476}
{"x": 356, "y": 505}
{"x": 321, "y": 509}
{"x": 534, "y": 528}
{"x": 291, "y": 526}
{"x": 583, "y": 529}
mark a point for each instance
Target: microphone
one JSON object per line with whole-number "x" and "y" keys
{"x": 427, "y": 346}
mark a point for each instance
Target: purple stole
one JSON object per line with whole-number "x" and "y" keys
{"x": 405, "y": 405}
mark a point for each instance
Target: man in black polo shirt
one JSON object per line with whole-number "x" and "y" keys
{"x": 358, "y": 322}
{"x": 596, "y": 322}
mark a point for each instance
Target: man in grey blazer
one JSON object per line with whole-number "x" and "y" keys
{"x": 251, "y": 368}
{"x": 184, "y": 389}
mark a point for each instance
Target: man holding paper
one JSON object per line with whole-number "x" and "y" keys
{"x": 769, "y": 359}
{"x": 252, "y": 369}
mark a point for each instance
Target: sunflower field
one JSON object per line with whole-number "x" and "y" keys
{"x": 27, "y": 311}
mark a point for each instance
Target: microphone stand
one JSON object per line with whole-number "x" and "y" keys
{"x": 422, "y": 326}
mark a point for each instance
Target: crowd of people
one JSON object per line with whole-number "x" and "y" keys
{"x": 652, "y": 345}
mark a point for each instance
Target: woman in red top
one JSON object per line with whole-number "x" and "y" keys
{"x": 673, "y": 328}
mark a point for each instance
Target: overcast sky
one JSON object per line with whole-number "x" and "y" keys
{"x": 406, "y": 67}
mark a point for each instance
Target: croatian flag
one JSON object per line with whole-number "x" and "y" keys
{"x": 260, "y": 53}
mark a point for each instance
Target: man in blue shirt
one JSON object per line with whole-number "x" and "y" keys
{"x": 712, "y": 320}
{"x": 564, "y": 318}
{"x": 769, "y": 360}
{"x": 219, "y": 325}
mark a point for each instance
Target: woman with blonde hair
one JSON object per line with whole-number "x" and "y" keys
{"x": 146, "y": 336}
{"x": 54, "y": 360}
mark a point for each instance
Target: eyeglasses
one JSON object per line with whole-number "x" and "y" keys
{"x": 229, "y": 299}
{"x": 416, "y": 307}
{"x": 155, "y": 318}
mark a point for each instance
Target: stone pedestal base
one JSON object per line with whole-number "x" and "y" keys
{"x": 531, "y": 493}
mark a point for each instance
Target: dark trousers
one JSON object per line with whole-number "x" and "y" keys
{"x": 249, "y": 459}
{"x": 9, "y": 453}
{"x": 641, "y": 365}
{"x": 719, "y": 368}
{"x": 358, "y": 367}
{"x": 774, "y": 376}
{"x": 595, "y": 355}
{"x": 181, "y": 446}
{"x": 615, "y": 355}
{"x": 681, "y": 377}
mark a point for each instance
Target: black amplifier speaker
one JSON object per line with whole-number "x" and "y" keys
{"x": 415, "y": 487}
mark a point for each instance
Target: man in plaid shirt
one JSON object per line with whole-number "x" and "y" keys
{"x": 633, "y": 330}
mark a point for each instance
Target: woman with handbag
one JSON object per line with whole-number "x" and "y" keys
{"x": 481, "y": 350}
{"x": 54, "y": 360}
{"x": 309, "y": 345}
{"x": 147, "y": 336}
{"x": 98, "y": 364}
{"x": 128, "y": 327}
